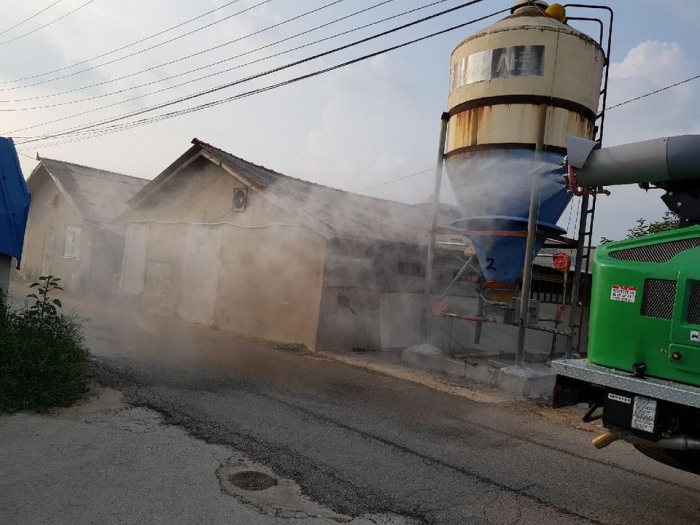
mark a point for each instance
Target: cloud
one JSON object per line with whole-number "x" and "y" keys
{"x": 647, "y": 59}
{"x": 648, "y": 66}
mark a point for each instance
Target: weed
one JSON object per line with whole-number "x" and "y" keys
{"x": 297, "y": 347}
{"x": 42, "y": 353}
{"x": 44, "y": 307}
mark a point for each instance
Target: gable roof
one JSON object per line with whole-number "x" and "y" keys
{"x": 99, "y": 195}
{"x": 333, "y": 213}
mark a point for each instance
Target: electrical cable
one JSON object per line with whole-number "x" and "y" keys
{"x": 160, "y": 80}
{"x": 25, "y": 155}
{"x": 571, "y": 211}
{"x": 123, "y": 77}
{"x": 30, "y": 18}
{"x": 396, "y": 180}
{"x": 86, "y": 130}
{"x": 287, "y": 66}
{"x": 574, "y": 233}
{"x": 653, "y": 92}
{"x": 575, "y": 202}
{"x": 47, "y": 24}
{"x": 217, "y": 73}
{"x": 119, "y": 48}
{"x": 68, "y": 75}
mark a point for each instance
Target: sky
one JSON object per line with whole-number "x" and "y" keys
{"x": 358, "y": 128}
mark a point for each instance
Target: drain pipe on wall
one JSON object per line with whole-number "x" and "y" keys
{"x": 428, "y": 285}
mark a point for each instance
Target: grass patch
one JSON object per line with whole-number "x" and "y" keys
{"x": 43, "y": 357}
{"x": 295, "y": 347}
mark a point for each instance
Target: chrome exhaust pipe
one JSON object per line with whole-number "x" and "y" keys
{"x": 606, "y": 439}
{"x": 676, "y": 442}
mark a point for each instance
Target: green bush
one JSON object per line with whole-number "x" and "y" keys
{"x": 43, "y": 358}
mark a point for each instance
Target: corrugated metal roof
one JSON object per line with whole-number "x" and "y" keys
{"x": 14, "y": 201}
{"x": 338, "y": 213}
{"x": 99, "y": 195}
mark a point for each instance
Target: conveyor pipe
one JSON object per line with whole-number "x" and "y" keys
{"x": 651, "y": 161}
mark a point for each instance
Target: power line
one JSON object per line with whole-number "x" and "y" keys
{"x": 160, "y": 80}
{"x": 90, "y": 131}
{"x": 264, "y": 73}
{"x": 572, "y": 204}
{"x": 51, "y": 95}
{"x": 187, "y": 82}
{"x": 47, "y": 24}
{"x": 30, "y": 18}
{"x": 392, "y": 181}
{"x": 24, "y": 154}
{"x": 653, "y": 92}
{"x": 93, "y": 126}
{"x": 235, "y": 67}
{"x": 147, "y": 48}
{"x": 119, "y": 48}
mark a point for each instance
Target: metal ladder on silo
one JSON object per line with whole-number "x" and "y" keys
{"x": 585, "y": 239}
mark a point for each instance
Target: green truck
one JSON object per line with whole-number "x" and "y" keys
{"x": 641, "y": 375}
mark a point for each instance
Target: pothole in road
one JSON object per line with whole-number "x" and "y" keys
{"x": 258, "y": 485}
{"x": 252, "y": 480}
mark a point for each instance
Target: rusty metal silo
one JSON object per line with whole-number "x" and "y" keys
{"x": 520, "y": 85}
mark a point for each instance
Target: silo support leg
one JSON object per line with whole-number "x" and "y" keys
{"x": 531, "y": 238}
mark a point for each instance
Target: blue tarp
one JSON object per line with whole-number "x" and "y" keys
{"x": 14, "y": 201}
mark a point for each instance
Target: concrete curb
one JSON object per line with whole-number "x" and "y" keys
{"x": 500, "y": 384}
{"x": 424, "y": 378}
{"x": 523, "y": 382}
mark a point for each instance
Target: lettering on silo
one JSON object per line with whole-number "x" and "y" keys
{"x": 502, "y": 62}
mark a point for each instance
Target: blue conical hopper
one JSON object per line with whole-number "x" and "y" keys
{"x": 492, "y": 189}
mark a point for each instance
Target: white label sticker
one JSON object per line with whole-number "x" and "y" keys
{"x": 621, "y": 399}
{"x": 626, "y": 294}
{"x": 695, "y": 336}
{"x": 644, "y": 414}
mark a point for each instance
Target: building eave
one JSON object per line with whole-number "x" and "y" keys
{"x": 58, "y": 184}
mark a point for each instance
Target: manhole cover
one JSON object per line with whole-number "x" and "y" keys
{"x": 252, "y": 480}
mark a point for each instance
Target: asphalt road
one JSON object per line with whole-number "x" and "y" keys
{"x": 360, "y": 442}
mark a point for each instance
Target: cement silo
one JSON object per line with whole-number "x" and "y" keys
{"x": 517, "y": 89}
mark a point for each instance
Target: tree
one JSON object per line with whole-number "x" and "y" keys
{"x": 669, "y": 221}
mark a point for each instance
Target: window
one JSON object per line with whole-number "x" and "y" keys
{"x": 71, "y": 246}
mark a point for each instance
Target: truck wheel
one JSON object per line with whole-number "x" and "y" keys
{"x": 688, "y": 460}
